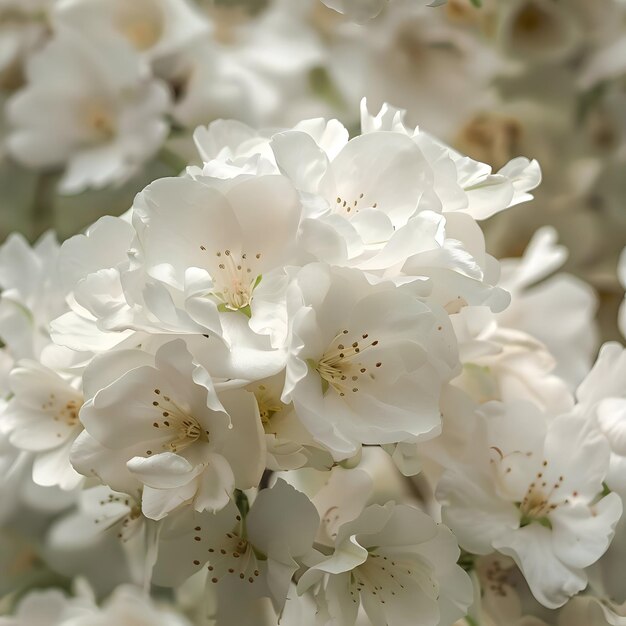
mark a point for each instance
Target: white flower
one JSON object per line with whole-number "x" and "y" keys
{"x": 602, "y": 397}
{"x": 558, "y": 310}
{"x": 539, "y": 30}
{"x": 506, "y": 364}
{"x": 208, "y": 262}
{"x": 129, "y": 606}
{"x": 100, "y": 510}
{"x": 416, "y": 58}
{"x": 537, "y": 499}
{"x": 382, "y": 214}
{"x": 42, "y": 417}
{"x": 155, "y": 28}
{"x": 103, "y": 129}
{"x": 258, "y": 550}
{"x": 89, "y": 267}
{"x": 462, "y": 183}
{"x": 252, "y": 65}
{"x": 397, "y": 563}
{"x": 289, "y": 444}
{"x": 156, "y": 422}
{"x": 49, "y": 607}
{"x": 32, "y": 294}
{"x": 366, "y": 363}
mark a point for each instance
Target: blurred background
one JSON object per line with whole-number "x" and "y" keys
{"x": 545, "y": 79}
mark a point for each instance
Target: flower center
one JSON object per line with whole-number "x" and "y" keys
{"x": 182, "y": 428}
{"x": 99, "y": 121}
{"x": 349, "y": 207}
{"x": 142, "y": 34}
{"x": 234, "y": 280}
{"x": 269, "y": 405}
{"x": 385, "y": 574}
{"x": 341, "y": 366}
{"x": 63, "y": 411}
{"x": 235, "y": 557}
{"x": 539, "y": 502}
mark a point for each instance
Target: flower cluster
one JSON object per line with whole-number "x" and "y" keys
{"x": 229, "y": 388}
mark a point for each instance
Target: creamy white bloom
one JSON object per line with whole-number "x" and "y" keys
{"x": 42, "y": 418}
{"x": 366, "y": 362}
{"x": 49, "y": 607}
{"x": 531, "y": 488}
{"x": 506, "y": 364}
{"x": 501, "y": 597}
{"x": 289, "y": 444}
{"x": 103, "y": 129}
{"x": 32, "y": 294}
{"x": 462, "y": 183}
{"x": 539, "y": 31}
{"x": 397, "y": 563}
{"x": 602, "y": 397}
{"x": 557, "y": 309}
{"x": 214, "y": 258}
{"x": 155, "y": 28}
{"x": 89, "y": 268}
{"x": 99, "y": 511}
{"x": 156, "y": 424}
{"x": 417, "y": 58}
{"x": 392, "y": 202}
{"x": 254, "y": 552}
{"x": 251, "y": 66}
{"x": 129, "y": 606}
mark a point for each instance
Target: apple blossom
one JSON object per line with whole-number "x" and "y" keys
{"x": 42, "y": 418}
{"x": 396, "y": 562}
{"x": 257, "y": 549}
{"x": 107, "y": 126}
{"x": 366, "y": 362}
{"x": 174, "y": 438}
{"x": 531, "y": 488}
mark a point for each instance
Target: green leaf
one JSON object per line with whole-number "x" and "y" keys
{"x": 477, "y": 3}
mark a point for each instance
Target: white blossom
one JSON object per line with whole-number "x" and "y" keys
{"x": 397, "y": 563}
{"x": 173, "y": 435}
{"x": 530, "y": 487}
{"x": 359, "y": 352}
{"x": 108, "y": 125}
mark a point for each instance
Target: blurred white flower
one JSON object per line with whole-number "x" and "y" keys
{"x": 104, "y": 128}
{"x": 42, "y": 418}
{"x": 155, "y": 28}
